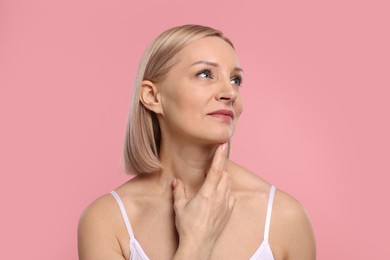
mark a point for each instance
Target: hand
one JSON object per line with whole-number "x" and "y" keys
{"x": 201, "y": 220}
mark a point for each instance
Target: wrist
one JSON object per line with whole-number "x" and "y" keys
{"x": 190, "y": 249}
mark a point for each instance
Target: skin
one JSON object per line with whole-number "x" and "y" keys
{"x": 202, "y": 205}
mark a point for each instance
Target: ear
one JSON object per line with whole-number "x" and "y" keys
{"x": 150, "y": 96}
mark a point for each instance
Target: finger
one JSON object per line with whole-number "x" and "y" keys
{"x": 217, "y": 165}
{"x": 223, "y": 186}
{"x": 219, "y": 158}
{"x": 229, "y": 206}
{"x": 232, "y": 202}
{"x": 179, "y": 194}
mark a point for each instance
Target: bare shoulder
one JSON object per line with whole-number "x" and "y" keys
{"x": 291, "y": 235}
{"x": 291, "y": 228}
{"x": 288, "y": 211}
{"x": 97, "y": 227}
{"x": 246, "y": 181}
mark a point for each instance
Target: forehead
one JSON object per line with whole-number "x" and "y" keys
{"x": 213, "y": 49}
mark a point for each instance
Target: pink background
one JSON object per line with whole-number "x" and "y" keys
{"x": 316, "y": 119}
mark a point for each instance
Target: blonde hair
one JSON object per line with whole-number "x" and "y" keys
{"x": 142, "y": 141}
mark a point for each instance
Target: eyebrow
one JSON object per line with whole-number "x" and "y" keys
{"x": 214, "y": 64}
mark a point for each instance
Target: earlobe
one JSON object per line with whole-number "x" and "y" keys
{"x": 150, "y": 96}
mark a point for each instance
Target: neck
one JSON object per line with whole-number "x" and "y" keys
{"x": 189, "y": 163}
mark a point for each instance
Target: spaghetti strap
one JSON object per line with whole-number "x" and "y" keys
{"x": 124, "y": 214}
{"x": 269, "y": 212}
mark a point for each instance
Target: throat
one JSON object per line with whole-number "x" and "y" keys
{"x": 193, "y": 178}
{"x": 189, "y": 164}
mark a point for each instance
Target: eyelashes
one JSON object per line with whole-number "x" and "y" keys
{"x": 207, "y": 73}
{"x": 237, "y": 80}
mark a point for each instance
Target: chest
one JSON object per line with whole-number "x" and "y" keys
{"x": 156, "y": 233}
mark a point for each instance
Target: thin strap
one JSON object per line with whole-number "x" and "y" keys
{"x": 269, "y": 212}
{"x": 124, "y": 214}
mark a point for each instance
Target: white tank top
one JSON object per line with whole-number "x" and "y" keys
{"x": 263, "y": 252}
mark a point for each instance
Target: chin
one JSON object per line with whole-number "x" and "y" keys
{"x": 218, "y": 138}
{"x": 211, "y": 135}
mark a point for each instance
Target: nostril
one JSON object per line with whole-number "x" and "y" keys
{"x": 226, "y": 98}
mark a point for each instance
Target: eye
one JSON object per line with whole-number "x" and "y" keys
{"x": 205, "y": 74}
{"x": 236, "y": 81}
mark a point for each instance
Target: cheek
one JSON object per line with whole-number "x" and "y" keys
{"x": 191, "y": 102}
{"x": 181, "y": 109}
{"x": 238, "y": 107}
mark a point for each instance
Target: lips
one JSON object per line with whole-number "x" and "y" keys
{"x": 222, "y": 113}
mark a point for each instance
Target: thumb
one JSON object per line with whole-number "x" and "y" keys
{"x": 179, "y": 193}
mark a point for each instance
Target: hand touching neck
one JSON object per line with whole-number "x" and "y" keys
{"x": 189, "y": 163}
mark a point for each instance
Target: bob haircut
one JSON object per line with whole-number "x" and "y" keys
{"x": 142, "y": 141}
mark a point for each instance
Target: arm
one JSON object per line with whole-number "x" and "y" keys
{"x": 96, "y": 241}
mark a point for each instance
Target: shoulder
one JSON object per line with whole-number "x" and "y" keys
{"x": 250, "y": 190}
{"x": 291, "y": 228}
{"x": 291, "y": 234}
{"x": 98, "y": 211}
{"x": 246, "y": 181}
{"x": 97, "y": 228}
{"x": 284, "y": 205}
{"x": 288, "y": 212}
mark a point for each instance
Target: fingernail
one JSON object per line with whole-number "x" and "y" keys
{"x": 224, "y": 146}
{"x": 174, "y": 182}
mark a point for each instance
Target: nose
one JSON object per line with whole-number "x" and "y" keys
{"x": 227, "y": 92}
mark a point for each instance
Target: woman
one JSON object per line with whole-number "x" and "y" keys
{"x": 188, "y": 201}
